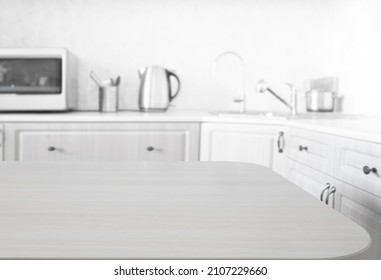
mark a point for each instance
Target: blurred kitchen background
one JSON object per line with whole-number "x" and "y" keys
{"x": 279, "y": 40}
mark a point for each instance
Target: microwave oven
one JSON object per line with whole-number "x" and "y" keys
{"x": 37, "y": 79}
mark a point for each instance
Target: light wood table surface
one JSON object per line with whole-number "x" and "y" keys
{"x": 178, "y": 210}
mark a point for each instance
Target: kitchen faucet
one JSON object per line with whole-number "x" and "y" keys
{"x": 238, "y": 99}
{"x": 262, "y": 87}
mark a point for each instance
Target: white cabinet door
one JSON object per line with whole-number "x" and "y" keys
{"x": 362, "y": 208}
{"x": 238, "y": 143}
{"x": 359, "y": 206}
{"x": 312, "y": 181}
{"x": 101, "y": 141}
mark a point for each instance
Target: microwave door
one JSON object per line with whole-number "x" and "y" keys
{"x": 30, "y": 76}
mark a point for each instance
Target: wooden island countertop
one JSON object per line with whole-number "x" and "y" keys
{"x": 165, "y": 210}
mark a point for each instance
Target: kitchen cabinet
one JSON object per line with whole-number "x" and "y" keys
{"x": 238, "y": 143}
{"x": 357, "y": 205}
{"x": 101, "y": 141}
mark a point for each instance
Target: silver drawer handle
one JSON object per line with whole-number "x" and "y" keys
{"x": 281, "y": 142}
{"x": 301, "y": 148}
{"x": 328, "y": 185}
{"x": 332, "y": 191}
{"x": 51, "y": 149}
{"x": 367, "y": 170}
{"x": 150, "y": 148}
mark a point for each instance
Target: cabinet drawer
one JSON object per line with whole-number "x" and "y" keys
{"x": 310, "y": 148}
{"x": 108, "y": 142}
{"x": 308, "y": 179}
{"x": 353, "y": 157}
{"x": 238, "y": 143}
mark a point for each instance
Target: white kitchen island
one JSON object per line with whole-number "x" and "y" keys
{"x": 173, "y": 210}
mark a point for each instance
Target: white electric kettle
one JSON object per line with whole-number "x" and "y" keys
{"x": 155, "y": 93}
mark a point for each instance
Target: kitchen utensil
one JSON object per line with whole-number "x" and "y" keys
{"x": 95, "y": 79}
{"x": 108, "y": 93}
{"x": 107, "y": 82}
{"x": 320, "y": 100}
{"x": 325, "y": 84}
{"x": 117, "y": 81}
{"x": 155, "y": 93}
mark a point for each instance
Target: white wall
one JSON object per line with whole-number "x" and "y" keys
{"x": 280, "y": 40}
{"x": 358, "y": 54}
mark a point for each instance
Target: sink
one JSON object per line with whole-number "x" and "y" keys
{"x": 252, "y": 114}
{"x": 325, "y": 116}
{"x": 285, "y": 115}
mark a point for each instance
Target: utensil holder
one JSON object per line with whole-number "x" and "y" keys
{"x": 108, "y": 98}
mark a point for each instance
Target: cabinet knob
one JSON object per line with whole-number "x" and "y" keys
{"x": 150, "y": 148}
{"x": 51, "y": 149}
{"x": 367, "y": 170}
{"x": 301, "y": 148}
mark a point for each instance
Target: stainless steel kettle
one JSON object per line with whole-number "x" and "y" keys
{"x": 155, "y": 91}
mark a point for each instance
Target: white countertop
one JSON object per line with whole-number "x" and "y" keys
{"x": 368, "y": 129}
{"x": 363, "y": 128}
{"x": 95, "y": 116}
{"x": 177, "y": 210}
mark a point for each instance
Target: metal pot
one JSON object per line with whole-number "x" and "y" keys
{"x": 320, "y": 101}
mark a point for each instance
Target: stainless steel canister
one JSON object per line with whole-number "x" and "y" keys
{"x": 320, "y": 101}
{"x": 108, "y": 98}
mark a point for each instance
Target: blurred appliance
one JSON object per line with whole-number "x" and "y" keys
{"x": 36, "y": 79}
{"x": 155, "y": 93}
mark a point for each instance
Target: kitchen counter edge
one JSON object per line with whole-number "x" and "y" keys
{"x": 367, "y": 128}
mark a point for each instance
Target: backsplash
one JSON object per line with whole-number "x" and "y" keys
{"x": 279, "y": 40}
